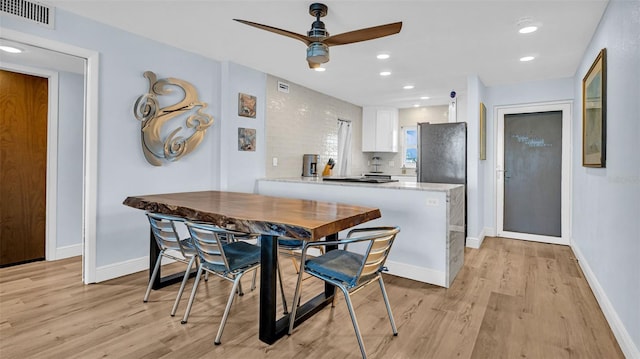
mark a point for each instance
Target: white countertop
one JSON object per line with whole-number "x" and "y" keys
{"x": 406, "y": 185}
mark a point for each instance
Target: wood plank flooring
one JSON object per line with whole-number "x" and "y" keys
{"x": 512, "y": 299}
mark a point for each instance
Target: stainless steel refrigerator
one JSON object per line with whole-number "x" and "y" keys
{"x": 442, "y": 153}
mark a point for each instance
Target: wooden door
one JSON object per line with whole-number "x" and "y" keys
{"x": 23, "y": 167}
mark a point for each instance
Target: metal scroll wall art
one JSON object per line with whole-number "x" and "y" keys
{"x": 158, "y": 150}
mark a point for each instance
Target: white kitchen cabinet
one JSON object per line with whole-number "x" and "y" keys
{"x": 379, "y": 129}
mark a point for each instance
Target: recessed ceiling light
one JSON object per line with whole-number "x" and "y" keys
{"x": 408, "y": 87}
{"x": 382, "y": 56}
{"x": 528, "y": 29}
{"x": 10, "y": 49}
{"x": 416, "y": 105}
{"x": 424, "y": 97}
{"x": 320, "y": 69}
{"x": 526, "y": 25}
{"x": 526, "y": 58}
{"x": 385, "y": 73}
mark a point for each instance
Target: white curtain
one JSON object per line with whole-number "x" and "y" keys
{"x": 344, "y": 148}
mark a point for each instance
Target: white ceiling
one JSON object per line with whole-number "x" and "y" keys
{"x": 441, "y": 42}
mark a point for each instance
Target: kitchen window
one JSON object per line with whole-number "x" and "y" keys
{"x": 409, "y": 146}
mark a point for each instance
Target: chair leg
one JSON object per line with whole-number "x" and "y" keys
{"x": 193, "y": 295}
{"x": 253, "y": 280}
{"x": 236, "y": 284}
{"x": 386, "y": 302}
{"x": 355, "y": 322}
{"x": 184, "y": 282}
{"x": 153, "y": 276}
{"x": 296, "y": 300}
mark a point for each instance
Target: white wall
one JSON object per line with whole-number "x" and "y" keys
{"x": 240, "y": 169}
{"x": 122, "y": 232}
{"x": 475, "y": 168}
{"x": 70, "y": 146}
{"x": 431, "y": 114}
{"x": 606, "y": 201}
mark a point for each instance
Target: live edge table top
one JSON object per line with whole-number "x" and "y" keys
{"x": 254, "y": 213}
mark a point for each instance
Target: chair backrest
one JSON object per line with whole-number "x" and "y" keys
{"x": 209, "y": 241}
{"x": 164, "y": 230}
{"x": 381, "y": 240}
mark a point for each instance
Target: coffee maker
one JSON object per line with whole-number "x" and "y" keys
{"x": 310, "y": 165}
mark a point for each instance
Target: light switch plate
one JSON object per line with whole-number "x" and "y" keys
{"x": 274, "y": 161}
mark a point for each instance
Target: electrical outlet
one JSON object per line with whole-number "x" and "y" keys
{"x": 274, "y": 161}
{"x": 391, "y": 164}
{"x": 432, "y": 202}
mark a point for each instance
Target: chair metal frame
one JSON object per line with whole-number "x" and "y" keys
{"x": 380, "y": 241}
{"x": 210, "y": 247}
{"x": 166, "y": 235}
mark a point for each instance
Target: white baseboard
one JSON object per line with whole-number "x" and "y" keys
{"x": 69, "y": 251}
{"x": 420, "y": 274}
{"x": 627, "y": 345}
{"x": 473, "y": 242}
{"x": 489, "y": 232}
{"x": 116, "y": 270}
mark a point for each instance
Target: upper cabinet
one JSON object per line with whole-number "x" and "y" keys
{"x": 379, "y": 129}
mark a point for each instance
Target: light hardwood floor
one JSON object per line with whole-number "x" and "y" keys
{"x": 512, "y": 299}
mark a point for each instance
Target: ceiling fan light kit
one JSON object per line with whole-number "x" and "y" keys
{"x": 318, "y": 39}
{"x": 317, "y": 53}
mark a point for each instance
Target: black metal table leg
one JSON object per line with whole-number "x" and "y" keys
{"x": 272, "y": 329}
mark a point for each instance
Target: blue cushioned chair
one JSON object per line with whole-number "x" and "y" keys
{"x": 222, "y": 255}
{"x": 171, "y": 246}
{"x": 350, "y": 271}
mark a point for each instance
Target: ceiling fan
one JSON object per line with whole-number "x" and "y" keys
{"x": 318, "y": 39}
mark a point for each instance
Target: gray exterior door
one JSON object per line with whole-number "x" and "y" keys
{"x": 533, "y": 173}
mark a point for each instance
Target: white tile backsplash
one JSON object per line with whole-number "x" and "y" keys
{"x": 305, "y": 121}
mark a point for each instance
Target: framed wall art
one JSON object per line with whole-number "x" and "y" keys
{"x": 594, "y": 112}
{"x": 246, "y": 139}
{"x": 246, "y": 105}
{"x": 483, "y": 132}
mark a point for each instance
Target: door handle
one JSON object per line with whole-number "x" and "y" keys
{"x": 501, "y": 172}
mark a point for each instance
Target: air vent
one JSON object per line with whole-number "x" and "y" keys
{"x": 283, "y": 87}
{"x": 30, "y": 10}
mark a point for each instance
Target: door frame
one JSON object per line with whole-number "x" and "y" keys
{"x": 51, "y": 196}
{"x": 566, "y": 108}
{"x": 90, "y": 141}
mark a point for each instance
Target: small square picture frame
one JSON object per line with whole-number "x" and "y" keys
{"x": 246, "y": 139}
{"x": 247, "y": 105}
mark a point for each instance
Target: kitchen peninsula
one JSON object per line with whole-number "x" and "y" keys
{"x": 430, "y": 245}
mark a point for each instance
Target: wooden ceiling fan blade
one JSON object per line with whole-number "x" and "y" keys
{"x": 290, "y": 34}
{"x": 369, "y": 33}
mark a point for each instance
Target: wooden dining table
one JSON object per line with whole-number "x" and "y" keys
{"x": 271, "y": 217}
